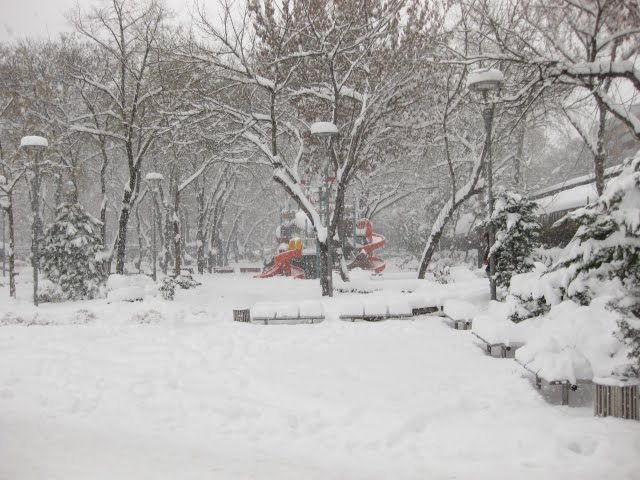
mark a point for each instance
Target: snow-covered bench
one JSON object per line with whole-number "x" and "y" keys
{"x": 496, "y": 331}
{"x": 223, "y": 270}
{"x": 459, "y": 313}
{"x": 287, "y": 312}
{"x": 375, "y": 309}
{"x": 504, "y": 348}
{"x": 130, "y": 288}
{"x": 250, "y": 270}
{"x": 572, "y": 344}
{"x": 566, "y": 384}
{"x": 422, "y": 304}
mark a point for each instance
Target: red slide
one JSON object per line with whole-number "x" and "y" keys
{"x": 375, "y": 241}
{"x": 282, "y": 265}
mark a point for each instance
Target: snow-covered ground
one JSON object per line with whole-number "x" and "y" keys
{"x": 166, "y": 390}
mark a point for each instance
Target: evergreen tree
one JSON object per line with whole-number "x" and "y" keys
{"x": 71, "y": 254}
{"x": 603, "y": 258}
{"x": 517, "y": 236}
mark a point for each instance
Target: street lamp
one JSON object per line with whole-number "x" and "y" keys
{"x": 154, "y": 180}
{"x": 321, "y": 130}
{"x": 35, "y": 145}
{"x": 485, "y": 80}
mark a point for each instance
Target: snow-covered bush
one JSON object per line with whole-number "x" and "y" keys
{"x": 168, "y": 288}
{"x": 517, "y": 236}
{"x": 186, "y": 282}
{"x": 603, "y": 259}
{"x": 527, "y": 296}
{"x": 71, "y": 253}
{"x": 169, "y": 284}
{"x": 574, "y": 342}
{"x": 130, "y": 288}
{"x": 146, "y": 317}
{"x": 600, "y": 265}
{"x": 49, "y": 292}
{"x": 548, "y": 256}
{"x": 442, "y": 272}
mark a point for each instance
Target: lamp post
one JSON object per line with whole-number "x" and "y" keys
{"x": 484, "y": 81}
{"x": 154, "y": 180}
{"x": 35, "y": 145}
{"x": 320, "y": 130}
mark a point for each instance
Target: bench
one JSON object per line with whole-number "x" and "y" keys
{"x": 424, "y": 310}
{"x": 223, "y": 270}
{"x": 375, "y": 311}
{"x": 566, "y": 385}
{"x": 275, "y": 319}
{"x": 504, "y": 348}
{"x": 250, "y": 270}
{"x": 457, "y": 324}
{"x": 287, "y": 313}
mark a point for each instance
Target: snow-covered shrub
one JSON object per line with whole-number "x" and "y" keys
{"x": 601, "y": 264}
{"x": 186, "y": 282}
{"x": 517, "y": 236}
{"x": 442, "y": 273}
{"x": 168, "y": 288}
{"x": 603, "y": 258}
{"x": 71, "y": 253}
{"x": 533, "y": 293}
{"x": 49, "y": 292}
{"x": 146, "y": 317}
{"x": 130, "y": 288}
{"x": 574, "y": 342}
{"x": 548, "y": 256}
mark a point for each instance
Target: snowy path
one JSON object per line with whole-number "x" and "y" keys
{"x": 197, "y": 396}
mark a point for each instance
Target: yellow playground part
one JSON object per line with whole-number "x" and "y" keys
{"x": 295, "y": 244}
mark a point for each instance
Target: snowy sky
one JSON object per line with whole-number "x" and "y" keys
{"x": 46, "y": 18}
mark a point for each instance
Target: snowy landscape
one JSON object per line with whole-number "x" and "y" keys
{"x": 160, "y": 389}
{"x": 321, "y": 240}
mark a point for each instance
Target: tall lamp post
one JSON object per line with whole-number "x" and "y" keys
{"x": 486, "y": 80}
{"x": 35, "y": 146}
{"x": 320, "y": 130}
{"x": 154, "y": 180}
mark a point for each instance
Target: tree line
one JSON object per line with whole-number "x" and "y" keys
{"x": 219, "y": 112}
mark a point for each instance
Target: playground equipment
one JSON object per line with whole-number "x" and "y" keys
{"x": 366, "y": 241}
{"x": 298, "y": 255}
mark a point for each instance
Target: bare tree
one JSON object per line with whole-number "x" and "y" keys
{"x": 127, "y": 35}
{"x": 300, "y": 63}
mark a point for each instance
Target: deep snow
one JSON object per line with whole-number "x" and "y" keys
{"x": 159, "y": 390}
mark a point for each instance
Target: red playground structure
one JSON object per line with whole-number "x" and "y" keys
{"x": 298, "y": 256}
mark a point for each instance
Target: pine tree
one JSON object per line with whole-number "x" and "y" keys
{"x": 604, "y": 255}
{"x": 71, "y": 254}
{"x": 517, "y": 236}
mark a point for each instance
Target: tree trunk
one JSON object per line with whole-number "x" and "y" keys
{"x": 200, "y": 233}
{"x": 600, "y": 156}
{"x": 325, "y": 269}
{"x": 446, "y": 213}
{"x": 166, "y": 239}
{"x": 138, "y": 263}
{"x": 123, "y": 221}
{"x": 12, "y": 243}
{"x": 344, "y": 270}
{"x": 177, "y": 239}
{"x": 103, "y": 215}
{"x": 517, "y": 174}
